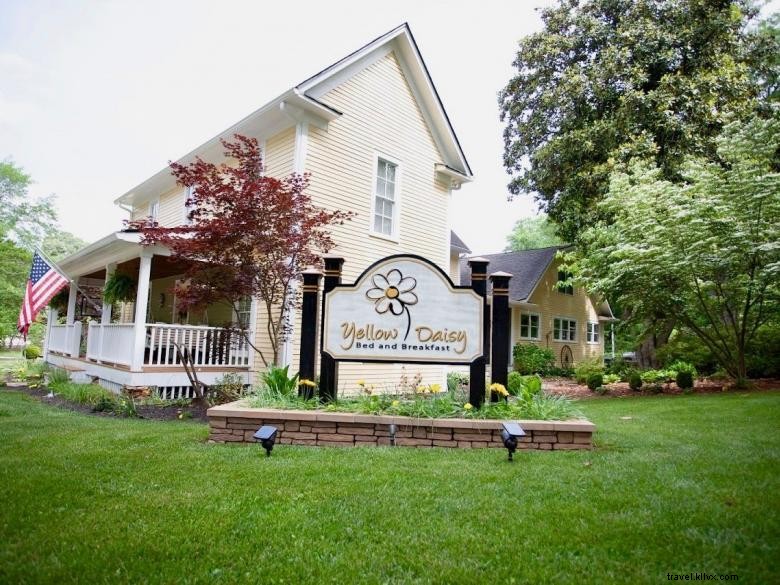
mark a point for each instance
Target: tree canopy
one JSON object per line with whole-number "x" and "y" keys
{"x": 609, "y": 79}
{"x": 705, "y": 251}
{"x": 23, "y": 219}
{"x": 532, "y": 232}
{"x": 250, "y": 235}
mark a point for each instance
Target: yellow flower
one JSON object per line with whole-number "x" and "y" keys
{"x": 435, "y": 388}
{"x": 499, "y": 389}
{"x": 395, "y": 403}
{"x": 305, "y": 382}
{"x": 421, "y": 389}
{"x": 467, "y": 406}
{"x": 361, "y": 382}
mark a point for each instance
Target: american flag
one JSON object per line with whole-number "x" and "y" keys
{"x": 43, "y": 284}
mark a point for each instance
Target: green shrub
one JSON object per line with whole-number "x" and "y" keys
{"x": 524, "y": 387}
{"x": 561, "y": 372}
{"x": 455, "y": 380}
{"x": 681, "y": 366}
{"x": 611, "y": 378}
{"x": 655, "y": 376}
{"x": 125, "y": 406}
{"x": 620, "y": 367}
{"x": 278, "y": 381}
{"x": 228, "y": 388}
{"x": 595, "y": 380}
{"x": 635, "y": 381}
{"x": 32, "y": 352}
{"x": 655, "y": 388}
{"x": 58, "y": 376}
{"x": 602, "y": 390}
{"x": 89, "y": 394}
{"x": 584, "y": 369}
{"x": 531, "y": 359}
{"x": 684, "y": 380}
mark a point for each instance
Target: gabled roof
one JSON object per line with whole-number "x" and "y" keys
{"x": 457, "y": 244}
{"x": 303, "y": 103}
{"x": 526, "y": 267}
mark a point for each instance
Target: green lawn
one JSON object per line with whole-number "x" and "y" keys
{"x": 688, "y": 484}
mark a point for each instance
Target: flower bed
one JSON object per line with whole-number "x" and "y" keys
{"x": 236, "y": 422}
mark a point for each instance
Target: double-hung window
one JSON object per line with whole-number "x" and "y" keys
{"x": 564, "y": 329}
{"x": 564, "y": 276}
{"x": 529, "y": 326}
{"x": 244, "y": 312}
{"x": 154, "y": 209}
{"x": 385, "y": 218}
{"x": 593, "y": 332}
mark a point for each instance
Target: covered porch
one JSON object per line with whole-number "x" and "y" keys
{"x": 133, "y": 344}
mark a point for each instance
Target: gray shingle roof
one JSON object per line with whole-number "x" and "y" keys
{"x": 526, "y": 268}
{"x": 457, "y": 244}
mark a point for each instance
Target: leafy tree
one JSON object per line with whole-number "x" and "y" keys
{"x": 707, "y": 250}
{"x": 251, "y": 235}
{"x": 532, "y": 232}
{"x": 22, "y": 219}
{"x": 609, "y": 79}
{"x": 57, "y": 244}
{"x": 14, "y": 269}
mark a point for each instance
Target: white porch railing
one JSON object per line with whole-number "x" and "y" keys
{"x": 65, "y": 339}
{"x": 210, "y": 346}
{"x": 110, "y": 343}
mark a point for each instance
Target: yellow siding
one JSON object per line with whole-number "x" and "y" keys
{"x": 380, "y": 116}
{"x": 549, "y": 304}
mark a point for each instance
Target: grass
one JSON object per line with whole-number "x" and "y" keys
{"x": 686, "y": 484}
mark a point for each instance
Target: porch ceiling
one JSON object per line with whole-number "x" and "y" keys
{"x": 162, "y": 266}
{"x": 117, "y": 247}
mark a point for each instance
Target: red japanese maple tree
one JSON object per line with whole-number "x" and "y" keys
{"x": 249, "y": 235}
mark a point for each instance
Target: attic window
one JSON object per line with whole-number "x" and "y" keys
{"x": 564, "y": 276}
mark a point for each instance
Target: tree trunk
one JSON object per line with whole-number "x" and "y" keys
{"x": 656, "y": 337}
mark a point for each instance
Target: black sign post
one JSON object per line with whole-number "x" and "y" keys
{"x": 311, "y": 291}
{"x": 499, "y": 358}
{"x": 478, "y": 268}
{"x": 329, "y": 366}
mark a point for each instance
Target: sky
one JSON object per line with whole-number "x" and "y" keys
{"x": 96, "y": 96}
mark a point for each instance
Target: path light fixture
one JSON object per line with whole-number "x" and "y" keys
{"x": 510, "y": 433}
{"x": 267, "y": 437}
{"x": 392, "y": 430}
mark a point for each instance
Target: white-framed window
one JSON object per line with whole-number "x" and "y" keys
{"x": 244, "y": 312}
{"x": 385, "y": 200}
{"x": 188, "y": 192}
{"x": 564, "y": 276}
{"x": 564, "y": 329}
{"x": 529, "y": 326}
{"x": 593, "y": 333}
{"x": 154, "y": 209}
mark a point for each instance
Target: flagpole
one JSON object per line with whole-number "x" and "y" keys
{"x": 71, "y": 280}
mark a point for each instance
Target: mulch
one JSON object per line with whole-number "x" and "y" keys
{"x": 569, "y": 388}
{"x": 145, "y": 411}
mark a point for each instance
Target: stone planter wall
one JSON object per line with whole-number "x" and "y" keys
{"x": 234, "y": 423}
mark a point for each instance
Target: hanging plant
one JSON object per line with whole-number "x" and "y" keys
{"x": 59, "y": 302}
{"x": 118, "y": 288}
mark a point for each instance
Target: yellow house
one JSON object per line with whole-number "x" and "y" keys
{"x": 564, "y": 319}
{"x": 372, "y": 132}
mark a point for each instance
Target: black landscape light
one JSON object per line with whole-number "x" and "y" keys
{"x": 267, "y": 437}
{"x": 392, "y": 429}
{"x": 510, "y": 433}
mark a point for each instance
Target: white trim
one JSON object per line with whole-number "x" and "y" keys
{"x": 301, "y": 147}
{"x": 538, "y": 327}
{"x": 395, "y": 236}
{"x": 598, "y": 330}
{"x": 576, "y": 323}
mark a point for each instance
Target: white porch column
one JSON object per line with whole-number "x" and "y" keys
{"x": 105, "y": 315}
{"x": 141, "y": 304}
{"x": 70, "y": 316}
{"x": 51, "y": 316}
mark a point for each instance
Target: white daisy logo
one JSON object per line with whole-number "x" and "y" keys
{"x": 393, "y": 292}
